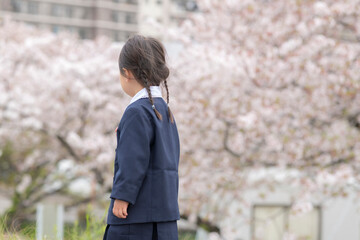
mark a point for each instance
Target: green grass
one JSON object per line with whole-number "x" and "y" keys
{"x": 186, "y": 236}
{"x": 92, "y": 228}
{"x": 9, "y": 233}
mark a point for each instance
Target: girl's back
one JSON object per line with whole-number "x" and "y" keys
{"x": 146, "y": 164}
{"x": 144, "y": 196}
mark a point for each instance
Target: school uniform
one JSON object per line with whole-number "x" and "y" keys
{"x": 146, "y": 172}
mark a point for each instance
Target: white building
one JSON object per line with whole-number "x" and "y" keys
{"x": 116, "y": 19}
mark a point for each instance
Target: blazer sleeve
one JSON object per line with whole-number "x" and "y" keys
{"x": 132, "y": 155}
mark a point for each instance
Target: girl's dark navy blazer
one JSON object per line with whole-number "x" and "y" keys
{"x": 146, "y": 164}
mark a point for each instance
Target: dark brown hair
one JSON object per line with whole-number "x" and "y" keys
{"x": 145, "y": 58}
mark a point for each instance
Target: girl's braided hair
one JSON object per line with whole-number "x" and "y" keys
{"x": 145, "y": 58}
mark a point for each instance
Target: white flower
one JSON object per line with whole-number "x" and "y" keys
{"x": 85, "y": 95}
{"x": 247, "y": 120}
{"x": 289, "y": 46}
{"x": 321, "y": 8}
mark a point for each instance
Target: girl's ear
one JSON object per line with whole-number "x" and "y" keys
{"x": 125, "y": 71}
{"x": 127, "y": 74}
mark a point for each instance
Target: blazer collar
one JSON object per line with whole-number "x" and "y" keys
{"x": 155, "y": 92}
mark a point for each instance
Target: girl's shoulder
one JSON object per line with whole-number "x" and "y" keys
{"x": 143, "y": 105}
{"x": 143, "y": 108}
{"x": 133, "y": 111}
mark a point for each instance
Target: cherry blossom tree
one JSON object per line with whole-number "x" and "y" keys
{"x": 60, "y": 103}
{"x": 269, "y": 84}
{"x": 263, "y": 92}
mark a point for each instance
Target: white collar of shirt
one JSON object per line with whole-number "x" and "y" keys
{"x": 155, "y": 92}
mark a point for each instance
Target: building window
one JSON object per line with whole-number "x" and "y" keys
{"x": 114, "y": 16}
{"x": 272, "y": 222}
{"x": 55, "y": 28}
{"x": 132, "y": 1}
{"x": 131, "y": 18}
{"x": 33, "y": 7}
{"x": 79, "y": 12}
{"x": 86, "y": 13}
{"x": 55, "y": 10}
{"x": 59, "y": 10}
{"x": 126, "y": 1}
{"x": 70, "y": 29}
{"x": 82, "y": 33}
{"x": 16, "y": 5}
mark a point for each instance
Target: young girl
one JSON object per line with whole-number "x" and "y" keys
{"x": 144, "y": 197}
